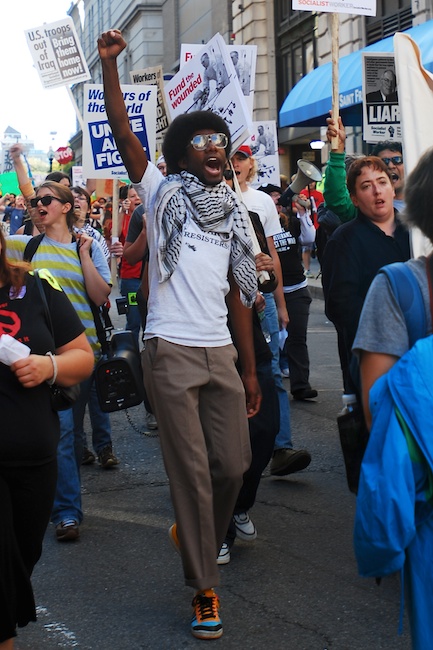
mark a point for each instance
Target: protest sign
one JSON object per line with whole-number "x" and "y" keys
{"x": 415, "y": 92}
{"x": 77, "y": 176}
{"x": 154, "y": 76}
{"x": 381, "y": 112}
{"x": 101, "y": 158}
{"x": 359, "y": 7}
{"x": 264, "y": 145}
{"x": 244, "y": 59}
{"x": 6, "y": 164}
{"x": 208, "y": 82}
{"x": 57, "y": 54}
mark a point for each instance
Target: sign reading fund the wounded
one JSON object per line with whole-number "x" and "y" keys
{"x": 380, "y": 105}
{"x": 244, "y": 59}
{"x": 101, "y": 158}
{"x": 57, "y": 54}
{"x": 209, "y": 82}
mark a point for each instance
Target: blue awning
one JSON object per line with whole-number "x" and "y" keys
{"x": 309, "y": 102}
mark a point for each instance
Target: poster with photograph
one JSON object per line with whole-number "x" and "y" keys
{"x": 381, "y": 112}
{"x": 208, "y": 82}
{"x": 57, "y": 54}
{"x": 244, "y": 59}
{"x": 101, "y": 158}
{"x": 264, "y": 146}
{"x": 154, "y": 76}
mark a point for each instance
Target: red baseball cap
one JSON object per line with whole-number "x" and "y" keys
{"x": 246, "y": 150}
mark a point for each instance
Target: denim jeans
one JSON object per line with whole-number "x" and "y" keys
{"x": 67, "y": 501}
{"x": 270, "y": 322}
{"x": 133, "y": 318}
{"x": 100, "y": 421}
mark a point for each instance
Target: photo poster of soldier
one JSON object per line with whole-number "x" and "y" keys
{"x": 264, "y": 146}
{"x": 381, "y": 112}
{"x": 154, "y": 76}
{"x": 244, "y": 58}
{"x": 208, "y": 82}
{"x": 57, "y": 54}
{"x": 101, "y": 158}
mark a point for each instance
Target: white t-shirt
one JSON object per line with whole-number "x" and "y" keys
{"x": 263, "y": 204}
{"x": 189, "y": 308}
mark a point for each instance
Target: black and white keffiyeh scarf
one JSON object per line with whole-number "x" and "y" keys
{"x": 214, "y": 209}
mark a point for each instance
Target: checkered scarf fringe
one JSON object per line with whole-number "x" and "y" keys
{"x": 215, "y": 209}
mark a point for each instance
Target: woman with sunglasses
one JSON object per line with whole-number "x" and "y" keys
{"x": 28, "y": 443}
{"x": 79, "y": 265}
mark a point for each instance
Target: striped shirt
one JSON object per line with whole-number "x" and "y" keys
{"x": 64, "y": 263}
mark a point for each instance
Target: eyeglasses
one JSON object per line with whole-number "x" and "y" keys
{"x": 396, "y": 160}
{"x": 45, "y": 200}
{"x": 201, "y": 142}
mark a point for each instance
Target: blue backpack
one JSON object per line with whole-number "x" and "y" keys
{"x": 408, "y": 294}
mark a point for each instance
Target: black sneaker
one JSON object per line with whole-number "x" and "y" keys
{"x": 67, "y": 531}
{"x": 289, "y": 461}
{"x": 88, "y": 457}
{"x": 304, "y": 393}
{"x": 106, "y": 458}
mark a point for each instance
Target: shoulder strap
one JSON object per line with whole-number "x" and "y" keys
{"x": 408, "y": 294}
{"x": 44, "y": 300}
{"x": 32, "y": 247}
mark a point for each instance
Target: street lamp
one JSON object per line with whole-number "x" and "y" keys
{"x": 51, "y": 158}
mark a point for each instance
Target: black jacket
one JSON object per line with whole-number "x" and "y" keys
{"x": 352, "y": 257}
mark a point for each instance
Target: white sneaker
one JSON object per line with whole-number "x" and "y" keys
{"x": 151, "y": 422}
{"x": 245, "y": 528}
{"x": 224, "y": 554}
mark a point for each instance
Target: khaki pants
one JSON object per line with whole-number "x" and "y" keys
{"x": 199, "y": 401}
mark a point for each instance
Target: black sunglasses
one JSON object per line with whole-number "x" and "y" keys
{"x": 45, "y": 200}
{"x": 396, "y": 160}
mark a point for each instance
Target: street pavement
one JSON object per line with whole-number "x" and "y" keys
{"x": 295, "y": 587}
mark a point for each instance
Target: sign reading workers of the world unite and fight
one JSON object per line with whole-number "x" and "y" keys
{"x": 57, "y": 54}
{"x": 358, "y": 7}
{"x": 101, "y": 159}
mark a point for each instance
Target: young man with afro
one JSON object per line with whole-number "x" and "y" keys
{"x": 200, "y": 263}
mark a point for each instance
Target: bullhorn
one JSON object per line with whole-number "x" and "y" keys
{"x": 307, "y": 172}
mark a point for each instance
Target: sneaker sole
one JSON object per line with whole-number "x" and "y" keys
{"x": 204, "y": 634}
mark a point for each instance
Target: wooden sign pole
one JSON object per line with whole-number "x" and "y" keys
{"x": 335, "y": 53}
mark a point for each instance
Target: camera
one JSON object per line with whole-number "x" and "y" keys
{"x": 122, "y": 305}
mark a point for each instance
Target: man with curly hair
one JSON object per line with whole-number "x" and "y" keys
{"x": 200, "y": 262}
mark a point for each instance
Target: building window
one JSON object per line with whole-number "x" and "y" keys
{"x": 295, "y": 61}
{"x": 391, "y": 16}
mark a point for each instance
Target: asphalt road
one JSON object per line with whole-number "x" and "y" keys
{"x": 296, "y": 587}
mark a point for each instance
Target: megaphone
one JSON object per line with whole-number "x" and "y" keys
{"x": 307, "y": 172}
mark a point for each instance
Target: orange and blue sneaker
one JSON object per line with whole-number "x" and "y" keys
{"x": 174, "y": 539}
{"x": 206, "y": 623}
